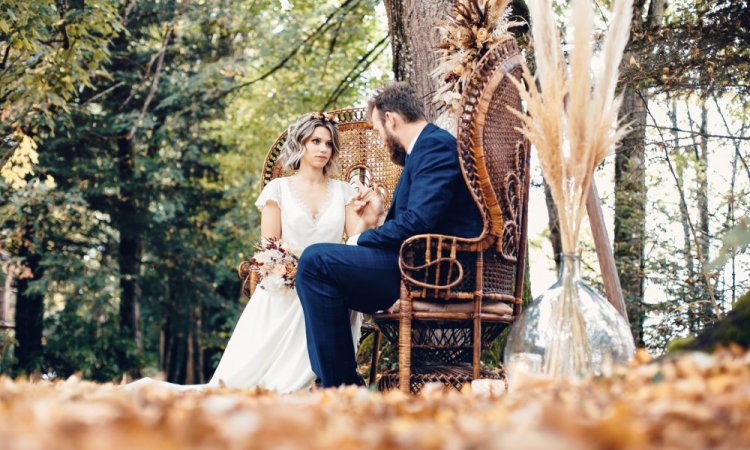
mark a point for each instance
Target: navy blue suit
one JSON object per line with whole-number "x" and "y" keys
{"x": 431, "y": 197}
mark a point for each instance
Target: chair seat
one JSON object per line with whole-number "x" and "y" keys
{"x": 489, "y": 308}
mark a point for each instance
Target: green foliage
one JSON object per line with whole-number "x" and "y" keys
{"x": 81, "y": 341}
{"x": 735, "y": 240}
{"x": 732, "y": 329}
{"x": 158, "y": 142}
{"x": 50, "y": 51}
{"x": 700, "y": 46}
{"x": 7, "y": 341}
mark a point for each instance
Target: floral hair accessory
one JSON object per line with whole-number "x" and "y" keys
{"x": 326, "y": 117}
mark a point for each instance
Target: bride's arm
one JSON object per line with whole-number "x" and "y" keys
{"x": 355, "y": 224}
{"x": 369, "y": 216}
{"x": 270, "y": 220}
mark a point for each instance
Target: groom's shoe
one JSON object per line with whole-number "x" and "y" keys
{"x": 358, "y": 381}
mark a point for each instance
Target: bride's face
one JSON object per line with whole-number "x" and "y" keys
{"x": 318, "y": 149}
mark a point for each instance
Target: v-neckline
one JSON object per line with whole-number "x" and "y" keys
{"x": 305, "y": 207}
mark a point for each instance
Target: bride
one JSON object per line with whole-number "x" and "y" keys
{"x": 268, "y": 348}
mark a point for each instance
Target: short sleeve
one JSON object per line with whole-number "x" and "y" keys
{"x": 272, "y": 192}
{"x": 349, "y": 192}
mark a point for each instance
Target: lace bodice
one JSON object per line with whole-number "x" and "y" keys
{"x": 298, "y": 226}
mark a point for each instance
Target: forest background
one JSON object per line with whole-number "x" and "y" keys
{"x": 132, "y": 135}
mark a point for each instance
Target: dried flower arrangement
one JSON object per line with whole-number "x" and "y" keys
{"x": 572, "y": 122}
{"x": 572, "y": 115}
{"x": 473, "y": 28}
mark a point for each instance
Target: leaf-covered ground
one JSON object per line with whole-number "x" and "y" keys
{"x": 695, "y": 401}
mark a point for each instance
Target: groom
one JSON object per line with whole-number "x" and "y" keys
{"x": 431, "y": 197}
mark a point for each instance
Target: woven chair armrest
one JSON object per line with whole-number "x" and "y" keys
{"x": 435, "y": 249}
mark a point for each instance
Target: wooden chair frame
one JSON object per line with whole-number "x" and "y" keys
{"x": 432, "y": 267}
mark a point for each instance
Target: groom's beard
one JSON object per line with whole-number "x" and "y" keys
{"x": 397, "y": 151}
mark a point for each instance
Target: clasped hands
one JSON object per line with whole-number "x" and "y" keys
{"x": 369, "y": 204}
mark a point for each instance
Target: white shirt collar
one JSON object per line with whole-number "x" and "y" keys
{"x": 414, "y": 141}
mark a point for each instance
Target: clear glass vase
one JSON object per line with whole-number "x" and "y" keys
{"x": 568, "y": 332}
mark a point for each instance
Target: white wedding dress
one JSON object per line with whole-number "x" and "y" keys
{"x": 268, "y": 348}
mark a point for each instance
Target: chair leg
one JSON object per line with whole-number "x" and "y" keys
{"x": 404, "y": 342}
{"x": 375, "y": 356}
{"x": 477, "y": 347}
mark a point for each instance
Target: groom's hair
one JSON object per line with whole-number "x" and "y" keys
{"x": 398, "y": 98}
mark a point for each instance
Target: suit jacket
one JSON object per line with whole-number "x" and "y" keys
{"x": 431, "y": 196}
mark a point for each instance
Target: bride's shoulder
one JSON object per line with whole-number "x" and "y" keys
{"x": 343, "y": 185}
{"x": 347, "y": 190}
{"x": 277, "y": 182}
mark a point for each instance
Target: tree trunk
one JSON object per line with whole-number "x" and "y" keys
{"x": 687, "y": 292}
{"x": 402, "y": 68}
{"x": 731, "y": 204}
{"x": 182, "y": 358}
{"x": 704, "y": 232}
{"x": 194, "y": 372}
{"x": 130, "y": 250}
{"x": 175, "y": 365}
{"x": 630, "y": 205}
{"x": 701, "y": 313}
{"x": 630, "y": 184}
{"x": 414, "y": 34}
{"x": 29, "y": 317}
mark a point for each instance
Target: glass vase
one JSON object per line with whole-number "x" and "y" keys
{"x": 568, "y": 332}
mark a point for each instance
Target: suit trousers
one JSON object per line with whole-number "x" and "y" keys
{"x": 331, "y": 280}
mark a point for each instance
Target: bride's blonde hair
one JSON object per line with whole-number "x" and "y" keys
{"x": 300, "y": 132}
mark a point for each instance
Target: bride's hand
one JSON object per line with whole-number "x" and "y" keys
{"x": 372, "y": 213}
{"x": 359, "y": 201}
{"x": 369, "y": 205}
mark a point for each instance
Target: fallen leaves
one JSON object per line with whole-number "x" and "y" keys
{"x": 694, "y": 401}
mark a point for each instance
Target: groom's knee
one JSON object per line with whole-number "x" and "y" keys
{"x": 312, "y": 259}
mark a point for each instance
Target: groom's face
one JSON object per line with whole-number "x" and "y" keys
{"x": 385, "y": 126}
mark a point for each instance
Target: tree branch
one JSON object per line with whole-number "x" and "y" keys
{"x": 683, "y": 202}
{"x": 104, "y": 92}
{"x": 354, "y": 73}
{"x": 693, "y": 132}
{"x": 734, "y": 138}
{"x": 5, "y": 56}
{"x": 320, "y": 29}
{"x": 126, "y": 12}
{"x": 701, "y": 257}
{"x": 155, "y": 81}
{"x": 332, "y": 45}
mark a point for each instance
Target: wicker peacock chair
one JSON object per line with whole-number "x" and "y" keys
{"x": 458, "y": 294}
